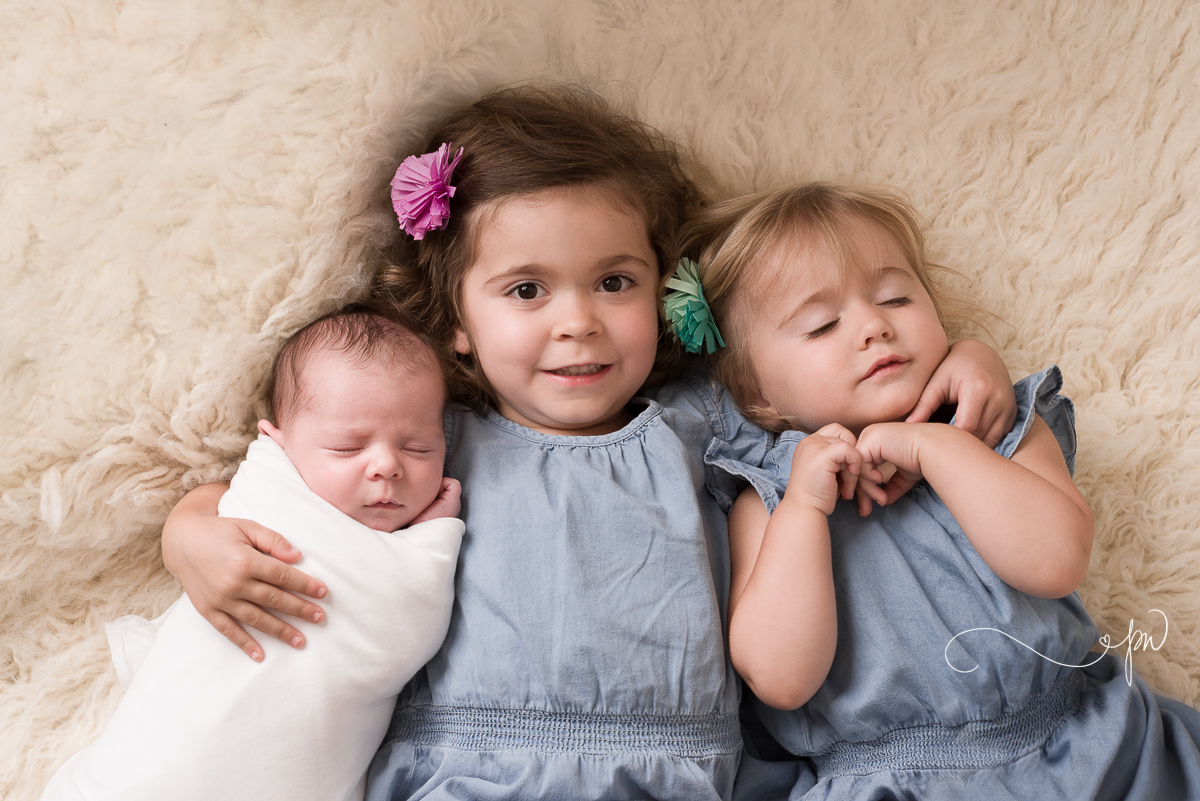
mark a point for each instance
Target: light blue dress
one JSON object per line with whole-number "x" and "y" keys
{"x": 586, "y": 652}
{"x": 895, "y": 720}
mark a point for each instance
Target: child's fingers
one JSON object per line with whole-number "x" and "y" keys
{"x": 233, "y": 632}
{"x": 451, "y": 488}
{"x": 984, "y": 414}
{"x": 898, "y": 485}
{"x": 864, "y": 503}
{"x": 255, "y": 616}
{"x": 269, "y": 596}
{"x": 268, "y": 541}
{"x": 279, "y": 548}
{"x": 270, "y": 570}
{"x": 873, "y": 490}
{"x": 932, "y": 398}
{"x": 999, "y": 426}
{"x": 836, "y": 431}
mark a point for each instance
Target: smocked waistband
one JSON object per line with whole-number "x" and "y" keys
{"x": 467, "y": 728}
{"x": 971, "y": 746}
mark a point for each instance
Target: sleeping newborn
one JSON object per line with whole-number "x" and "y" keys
{"x": 350, "y": 473}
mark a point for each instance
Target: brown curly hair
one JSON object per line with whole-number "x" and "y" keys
{"x": 517, "y": 142}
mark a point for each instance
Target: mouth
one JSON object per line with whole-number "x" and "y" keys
{"x": 884, "y": 366}
{"x": 578, "y": 370}
{"x": 384, "y": 505}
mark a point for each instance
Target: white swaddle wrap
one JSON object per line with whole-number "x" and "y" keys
{"x": 200, "y": 720}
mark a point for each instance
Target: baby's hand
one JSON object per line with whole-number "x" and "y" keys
{"x": 826, "y": 466}
{"x": 447, "y": 503}
{"x": 973, "y": 378}
{"x": 894, "y": 444}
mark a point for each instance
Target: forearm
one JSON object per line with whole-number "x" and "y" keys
{"x": 783, "y": 628}
{"x": 1034, "y": 532}
{"x": 199, "y": 503}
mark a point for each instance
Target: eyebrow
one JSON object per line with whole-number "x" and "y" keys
{"x": 827, "y": 294}
{"x": 815, "y": 299}
{"x": 535, "y": 270}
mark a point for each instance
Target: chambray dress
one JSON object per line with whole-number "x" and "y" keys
{"x": 895, "y": 720}
{"x": 586, "y": 651}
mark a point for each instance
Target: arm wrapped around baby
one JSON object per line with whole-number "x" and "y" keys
{"x": 199, "y": 720}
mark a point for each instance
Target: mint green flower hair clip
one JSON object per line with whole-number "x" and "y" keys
{"x": 688, "y": 312}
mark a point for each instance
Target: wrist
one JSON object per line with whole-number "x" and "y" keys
{"x": 802, "y": 505}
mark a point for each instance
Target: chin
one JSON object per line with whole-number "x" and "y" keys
{"x": 386, "y": 525}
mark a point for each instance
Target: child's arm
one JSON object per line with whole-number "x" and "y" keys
{"x": 972, "y": 377}
{"x": 782, "y": 609}
{"x": 234, "y": 570}
{"x": 1024, "y": 515}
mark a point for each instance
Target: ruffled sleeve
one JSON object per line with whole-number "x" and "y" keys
{"x": 770, "y": 477}
{"x": 730, "y": 437}
{"x": 1040, "y": 393}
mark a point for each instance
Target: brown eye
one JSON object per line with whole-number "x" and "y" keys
{"x": 527, "y": 291}
{"x": 614, "y": 283}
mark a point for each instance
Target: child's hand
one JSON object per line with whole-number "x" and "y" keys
{"x": 447, "y": 503}
{"x": 826, "y": 466}
{"x": 895, "y": 444}
{"x": 974, "y": 378}
{"x": 234, "y": 570}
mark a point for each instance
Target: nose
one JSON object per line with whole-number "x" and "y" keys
{"x": 875, "y": 327}
{"x": 384, "y": 463}
{"x": 577, "y": 316}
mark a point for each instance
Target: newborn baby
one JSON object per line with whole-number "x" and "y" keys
{"x": 350, "y": 472}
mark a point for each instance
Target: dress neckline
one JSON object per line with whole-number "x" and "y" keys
{"x": 650, "y": 411}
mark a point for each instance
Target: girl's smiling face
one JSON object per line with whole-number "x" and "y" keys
{"x": 560, "y": 309}
{"x": 853, "y": 346}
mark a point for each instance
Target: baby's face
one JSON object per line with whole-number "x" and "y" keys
{"x": 853, "y": 349}
{"x": 368, "y": 441}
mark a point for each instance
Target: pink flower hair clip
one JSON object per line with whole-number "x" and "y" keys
{"x": 421, "y": 189}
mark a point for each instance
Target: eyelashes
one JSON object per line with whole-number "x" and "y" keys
{"x": 528, "y": 291}
{"x": 828, "y": 327}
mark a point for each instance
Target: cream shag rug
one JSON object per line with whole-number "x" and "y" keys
{"x": 183, "y": 184}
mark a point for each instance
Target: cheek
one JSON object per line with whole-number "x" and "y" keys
{"x": 791, "y": 380}
{"x": 331, "y": 480}
{"x": 637, "y": 326}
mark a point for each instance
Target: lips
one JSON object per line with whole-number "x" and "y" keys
{"x": 384, "y": 505}
{"x": 578, "y": 369}
{"x": 884, "y": 366}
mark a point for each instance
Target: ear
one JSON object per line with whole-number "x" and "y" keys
{"x": 462, "y": 343}
{"x": 271, "y": 431}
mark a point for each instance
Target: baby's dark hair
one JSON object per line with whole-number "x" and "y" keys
{"x": 516, "y": 142}
{"x": 362, "y": 334}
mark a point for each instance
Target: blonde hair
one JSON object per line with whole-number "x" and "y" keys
{"x": 730, "y": 240}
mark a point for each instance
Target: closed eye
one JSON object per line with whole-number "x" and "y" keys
{"x": 822, "y": 331}
{"x": 902, "y": 301}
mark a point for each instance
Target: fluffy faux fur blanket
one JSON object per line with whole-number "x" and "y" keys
{"x": 184, "y": 184}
